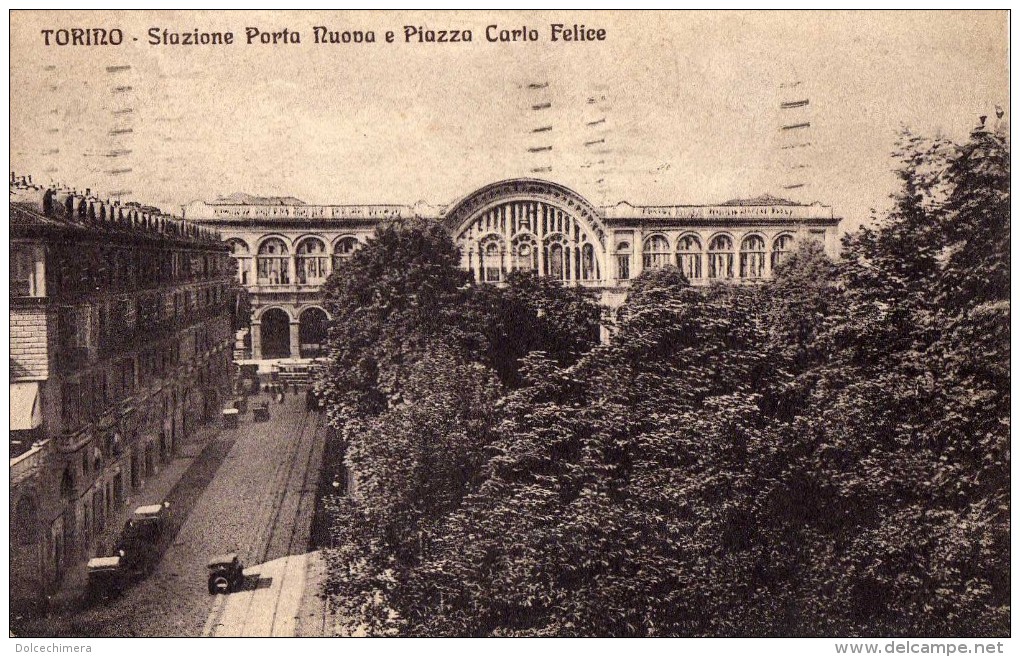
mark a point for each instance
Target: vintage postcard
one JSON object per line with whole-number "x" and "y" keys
{"x": 511, "y": 324}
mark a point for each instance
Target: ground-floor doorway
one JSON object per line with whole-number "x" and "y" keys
{"x": 275, "y": 334}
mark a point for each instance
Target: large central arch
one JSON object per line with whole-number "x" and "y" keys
{"x": 275, "y": 333}
{"x": 529, "y": 224}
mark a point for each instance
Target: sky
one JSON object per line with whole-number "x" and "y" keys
{"x": 690, "y": 102}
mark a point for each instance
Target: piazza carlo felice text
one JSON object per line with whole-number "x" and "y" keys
{"x": 321, "y": 34}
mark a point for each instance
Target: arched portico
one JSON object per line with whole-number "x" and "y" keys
{"x": 529, "y": 224}
{"x": 312, "y": 332}
{"x": 26, "y": 548}
{"x": 274, "y": 334}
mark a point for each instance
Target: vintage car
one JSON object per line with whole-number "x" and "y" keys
{"x": 260, "y": 412}
{"x": 147, "y": 523}
{"x": 226, "y": 574}
{"x": 109, "y": 576}
{"x": 106, "y": 577}
{"x": 230, "y": 416}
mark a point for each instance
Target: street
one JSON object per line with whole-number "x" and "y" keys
{"x": 252, "y": 492}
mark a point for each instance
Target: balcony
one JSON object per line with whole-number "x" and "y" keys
{"x": 268, "y": 288}
{"x": 30, "y": 463}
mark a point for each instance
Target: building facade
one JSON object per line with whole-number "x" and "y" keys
{"x": 286, "y": 249}
{"x": 120, "y": 347}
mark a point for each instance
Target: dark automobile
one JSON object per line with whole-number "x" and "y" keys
{"x": 230, "y": 416}
{"x": 109, "y": 576}
{"x": 226, "y": 574}
{"x": 106, "y": 577}
{"x": 146, "y": 524}
{"x": 260, "y": 412}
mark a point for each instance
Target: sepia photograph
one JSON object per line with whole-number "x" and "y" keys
{"x": 516, "y": 323}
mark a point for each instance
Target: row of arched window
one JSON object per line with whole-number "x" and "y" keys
{"x": 312, "y": 262}
{"x": 720, "y": 261}
{"x": 557, "y": 258}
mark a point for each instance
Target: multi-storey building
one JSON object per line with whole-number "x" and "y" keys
{"x": 285, "y": 249}
{"x": 120, "y": 346}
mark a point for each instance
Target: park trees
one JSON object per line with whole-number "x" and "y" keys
{"x": 913, "y": 402}
{"x": 413, "y": 385}
{"x": 823, "y": 454}
{"x": 393, "y": 301}
{"x": 533, "y": 313}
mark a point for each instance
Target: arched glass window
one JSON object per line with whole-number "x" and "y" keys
{"x": 752, "y": 257}
{"x": 656, "y": 253}
{"x": 589, "y": 266}
{"x": 688, "y": 256}
{"x": 311, "y": 264}
{"x": 623, "y": 261}
{"x": 720, "y": 257}
{"x": 273, "y": 263}
{"x": 781, "y": 248}
{"x": 313, "y": 332}
{"x": 525, "y": 254}
{"x": 242, "y": 256}
{"x": 555, "y": 260}
{"x": 492, "y": 261}
{"x": 343, "y": 250}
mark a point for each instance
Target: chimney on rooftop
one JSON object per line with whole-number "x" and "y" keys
{"x": 980, "y": 127}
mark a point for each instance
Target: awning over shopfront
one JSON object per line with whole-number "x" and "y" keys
{"x": 26, "y": 412}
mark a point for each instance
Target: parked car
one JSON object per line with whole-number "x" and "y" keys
{"x": 147, "y": 523}
{"x": 109, "y": 576}
{"x": 135, "y": 553}
{"x": 226, "y": 574}
{"x": 230, "y": 416}
{"x": 260, "y": 412}
{"x": 106, "y": 577}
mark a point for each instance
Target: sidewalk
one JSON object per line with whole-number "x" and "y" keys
{"x": 286, "y": 601}
{"x": 155, "y": 490}
{"x": 269, "y": 608}
{"x": 314, "y": 617}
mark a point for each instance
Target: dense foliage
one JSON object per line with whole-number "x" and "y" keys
{"x": 823, "y": 454}
{"x": 532, "y": 313}
{"x": 417, "y": 365}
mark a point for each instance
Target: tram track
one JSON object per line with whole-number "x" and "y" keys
{"x": 295, "y": 523}
{"x": 276, "y": 531}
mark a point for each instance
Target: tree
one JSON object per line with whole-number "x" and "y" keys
{"x": 584, "y": 522}
{"x": 391, "y": 302}
{"x": 413, "y": 407}
{"x": 823, "y": 454}
{"x": 411, "y": 464}
{"x": 909, "y": 420}
{"x": 532, "y": 313}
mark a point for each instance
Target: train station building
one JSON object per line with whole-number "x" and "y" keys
{"x": 285, "y": 249}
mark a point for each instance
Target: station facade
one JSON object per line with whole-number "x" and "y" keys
{"x": 286, "y": 249}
